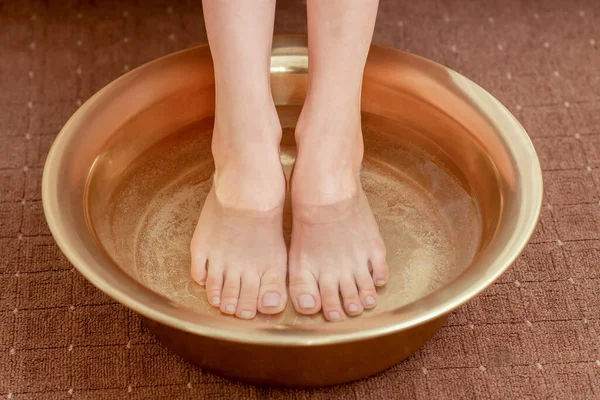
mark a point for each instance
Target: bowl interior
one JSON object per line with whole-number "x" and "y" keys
{"x": 429, "y": 217}
{"x": 147, "y": 186}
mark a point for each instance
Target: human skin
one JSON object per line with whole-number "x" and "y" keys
{"x": 337, "y": 256}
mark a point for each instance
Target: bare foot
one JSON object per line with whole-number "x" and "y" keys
{"x": 238, "y": 250}
{"x": 336, "y": 250}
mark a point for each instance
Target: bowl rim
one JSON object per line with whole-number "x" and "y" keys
{"x": 434, "y": 305}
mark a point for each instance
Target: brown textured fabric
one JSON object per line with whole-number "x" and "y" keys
{"x": 534, "y": 334}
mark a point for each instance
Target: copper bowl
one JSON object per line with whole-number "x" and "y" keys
{"x": 453, "y": 179}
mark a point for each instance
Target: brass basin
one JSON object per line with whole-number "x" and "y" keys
{"x": 453, "y": 179}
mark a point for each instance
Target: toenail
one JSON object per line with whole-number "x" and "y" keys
{"x": 306, "y": 301}
{"x": 271, "y": 299}
{"x": 246, "y": 314}
{"x": 230, "y": 308}
{"x": 353, "y": 308}
{"x": 334, "y": 315}
{"x": 215, "y": 301}
{"x": 370, "y": 300}
{"x": 380, "y": 282}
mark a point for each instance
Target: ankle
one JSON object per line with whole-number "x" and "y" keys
{"x": 248, "y": 171}
{"x": 329, "y": 157}
{"x": 336, "y": 122}
{"x": 248, "y": 131}
{"x": 251, "y": 184}
{"x": 253, "y": 146}
{"x": 330, "y": 138}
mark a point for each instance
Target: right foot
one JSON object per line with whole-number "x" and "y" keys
{"x": 238, "y": 250}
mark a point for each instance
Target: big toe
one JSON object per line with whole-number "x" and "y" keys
{"x": 272, "y": 296}
{"x": 304, "y": 292}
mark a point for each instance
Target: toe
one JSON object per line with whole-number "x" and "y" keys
{"x": 199, "y": 267}
{"x": 304, "y": 292}
{"x": 330, "y": 298}
{"x": 246, "y": 308}
{"x": 214, "y": 284}
{"x": 349, "y": 291}
{"x": 231, "y": 292}
{"x": 366, "y": 289}
{"x": 272, "y": 295}
{"x": 380, "y": 268}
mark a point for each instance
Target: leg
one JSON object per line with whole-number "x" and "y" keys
{"x": 336, "y": 247}
{"x": 238, "y": 250}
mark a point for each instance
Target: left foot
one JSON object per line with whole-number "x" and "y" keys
{"x": 336, "y": 249}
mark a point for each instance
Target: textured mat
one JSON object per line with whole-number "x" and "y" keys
{"x": 534, "y": 334}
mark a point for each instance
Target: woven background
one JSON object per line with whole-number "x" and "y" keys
{"x": 534, "y": 334}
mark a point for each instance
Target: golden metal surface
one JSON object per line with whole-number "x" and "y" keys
{"x": 452, "y": 177}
